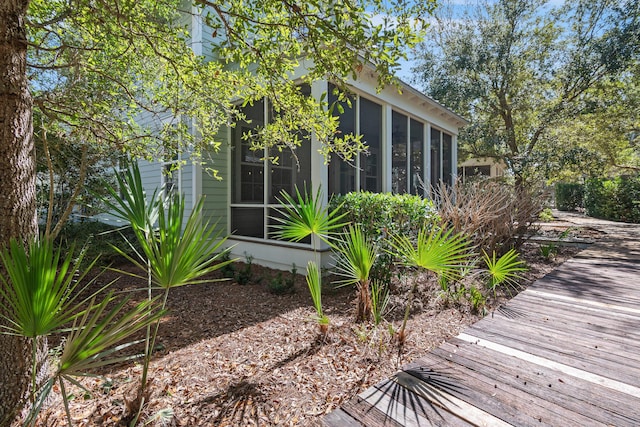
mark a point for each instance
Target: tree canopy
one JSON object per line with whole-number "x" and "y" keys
{"x": 96, "y": 68}
{"x": 522, "y": 70}
{"x": 131, "y": 76}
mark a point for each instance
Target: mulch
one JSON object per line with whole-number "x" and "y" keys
{"x": 239, "y": 355}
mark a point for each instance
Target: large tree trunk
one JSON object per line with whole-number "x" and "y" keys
{"x": 17, "y": 184}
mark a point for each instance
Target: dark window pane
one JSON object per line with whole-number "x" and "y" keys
{"x": 371, "y": 131}
{"x": 447, "y": 158}
{"x": 435, "y": 157}
{"x": 247, "y": 222}
{"x": 399, "y": 157}
{"x": 293, "y": 169}
{"x": 342, "y": 174}
{"x": 247, "y": 165}
{"x": 471, "y": 171}
{"x": 417, "y": 157}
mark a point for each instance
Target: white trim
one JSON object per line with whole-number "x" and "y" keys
{"x": 196, "y": 30}
{"x": 387, "y": 149}
{"x": 357, "y": 173}
{"x": 454, "y": 160}
{"x": 427, "y": 160}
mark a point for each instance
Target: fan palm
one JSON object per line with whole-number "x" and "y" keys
{"x": 39, "y": 292}
{"x": 178, "y": 253}
{"x": 40, "y": 295}
{"x": 356, "y": 257}
{"x": 302, "y": 217}
{"x": 504, "y": 270}
{"x": 94, "y": 338}
{"x": 436, "y": 250}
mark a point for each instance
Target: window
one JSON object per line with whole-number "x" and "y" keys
{"x": 371, "y": 131}
{"x": 367, "y": 115}
{"x": 407, "y": 154}
{"x": 417, "y": 157}
{"x": 435, "y": 157}
{"x": 442, "y": 167}
{"x": 257, "y": 181}
{"x": 342, "y": 175}
{"x": 447, "y": 158}
{"x": 399, "y": 137}
{"x": 469, "y": 172}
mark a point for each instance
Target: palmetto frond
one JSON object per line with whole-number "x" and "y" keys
{"x": 304, "y": 216}
{"x": 38, "y": 289}
{"x": 504, "y": 270}
{"x": 437, "y": 250}
{"x": 356, "y": 256}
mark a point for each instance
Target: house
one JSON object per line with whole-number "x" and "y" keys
{"x": 411, "y": 142}
{"x": 485, "y": 167}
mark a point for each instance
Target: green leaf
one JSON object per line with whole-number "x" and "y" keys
{"x": 304, "y": 216}
{"x": 437, "y": 250}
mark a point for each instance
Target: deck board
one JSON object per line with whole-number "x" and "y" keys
{"x": 565, "y": 352}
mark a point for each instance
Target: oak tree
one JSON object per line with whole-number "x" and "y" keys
{"x": 93, "y": 68}
{"x": 520, "y": 69}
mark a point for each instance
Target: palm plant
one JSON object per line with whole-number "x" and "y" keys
{"x": 314, "y": 282}
{"x": 39, "y": 291}
{"x": 379, "y": 301}
{"x": 302, "y": 217}
{"x": 356, "y": 257}
{"x": 437, "y": 251}
{"x": 504, "y": 270}
{"x": 178, "y": 253}
{"x": 94, "y": 339}
{"x": 40, "y": 295}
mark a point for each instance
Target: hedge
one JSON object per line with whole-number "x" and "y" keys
{"x": 569, "y": 196}
{"x": 616, "y": 199}
{"x": 381, "y": 215}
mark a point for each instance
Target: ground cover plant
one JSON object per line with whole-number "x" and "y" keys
{"x": 233, "y": 355}
{"x": 197, "y": 376}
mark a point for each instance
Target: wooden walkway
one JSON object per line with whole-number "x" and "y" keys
{"x": 565, "y": 352}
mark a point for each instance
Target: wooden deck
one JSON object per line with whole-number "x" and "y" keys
{"x": 565, "y": 352}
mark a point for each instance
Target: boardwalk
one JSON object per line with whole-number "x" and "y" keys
{"x": 565, "y": 352}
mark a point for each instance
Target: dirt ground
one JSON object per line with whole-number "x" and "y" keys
{"x": 239, "y": 355}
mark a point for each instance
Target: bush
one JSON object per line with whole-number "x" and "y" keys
{"x": 616, "y": 199}
{"x": 381, "y": 215}
{"x": 281, "y": 285}
{"x": 494, "y": 215}
{"x": 96, "y": 239}
{"x": 569, "y": 196}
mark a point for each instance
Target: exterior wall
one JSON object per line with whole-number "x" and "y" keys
{"x": 216, "y": 192}
{"x": 496, "y": 168}
{"x": 194, "y": 179}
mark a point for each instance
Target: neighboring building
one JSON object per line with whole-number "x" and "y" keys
{"x": 411, "y": 139}
{"x": 485, "y": 167}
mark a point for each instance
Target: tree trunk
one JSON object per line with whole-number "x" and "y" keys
{"x": 17, "y": 185}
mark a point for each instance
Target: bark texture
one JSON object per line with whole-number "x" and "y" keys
{"x": 17, "y": 184}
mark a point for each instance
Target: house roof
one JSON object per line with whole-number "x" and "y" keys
{"x": 432, "y": 105}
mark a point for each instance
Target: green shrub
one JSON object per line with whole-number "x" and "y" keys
{"x": 616, "y": 199}
{"x": 281, "y": 285}
{"x": 96, "y": 238}
{"x": 381, "y": 215}
{"x": 569, "y": 196}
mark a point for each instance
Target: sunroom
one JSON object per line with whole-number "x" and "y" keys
{"x": 412, "y": 145}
